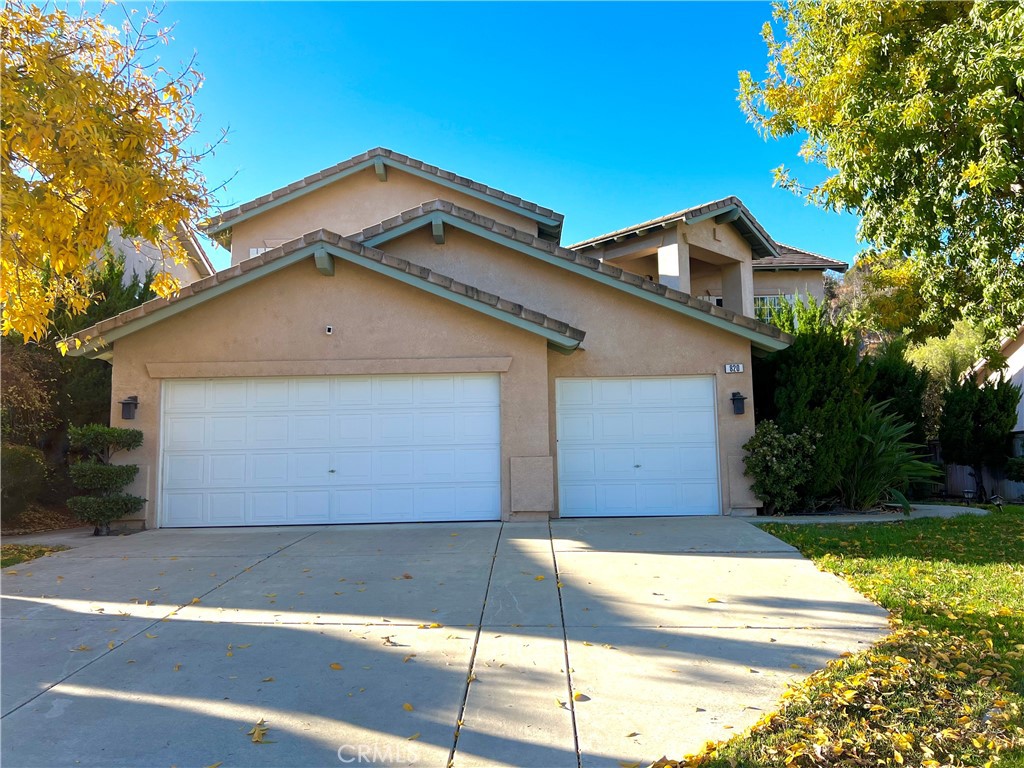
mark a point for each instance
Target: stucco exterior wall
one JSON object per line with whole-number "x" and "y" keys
{"x": 275, "y": 327}
{"x": 352, "y": 204}
{"x": 784, "y": 282}
{"x": 626, "y": 336}
{"x": 138, "y": 261}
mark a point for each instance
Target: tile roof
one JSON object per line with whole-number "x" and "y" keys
{"x": 749, "y": 227}
{"x": 428, "y": 209}
{"x": 93, "y": 335}
{"x": 224, "y": 219}
{"x": 797, "y": 258}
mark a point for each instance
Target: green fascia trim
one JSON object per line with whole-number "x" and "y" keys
{"x": 759, "y": 339}
{"x": 375, "y": 163}
{"x": 729, "y": 209}
{"x": 552, "y": 337}
{"x": 180, "y": 306}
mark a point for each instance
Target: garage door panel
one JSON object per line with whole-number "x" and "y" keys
{"x": 265, "y": 507}
{"x": 186, "y": 507}
{"x": 310, "y": 506}
{"x": 228, "y": 431}
{"x": 226, "y": 508}
{"x": 268, "y": 393}
{"x": 185, "y": 471}
{"x": 637, "y": 446}
{"x": 577, "y": 464}
{"x": 352, "y": 392}
{"x": 228, "y": 395}
{"x": 313, "y": 430}
{"x": 353, "y": 429}
{"x": 268, "y": 468}
{"x": 615, "y": 462}
{"x": 186, "y": 396}
{"x": 227, "y": 469}
{"x": 352, "y": 506}
{"x": 331, "y": 449}
{"x": 184, "y": 433}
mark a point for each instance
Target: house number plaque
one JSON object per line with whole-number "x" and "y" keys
{"x": 734, "y": 367}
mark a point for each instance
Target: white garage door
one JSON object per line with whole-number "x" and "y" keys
{"x": 637, "y": 446}
{"x": 330, "y": 449}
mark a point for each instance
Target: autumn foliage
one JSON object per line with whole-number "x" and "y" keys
{"x": 95, "y": 135}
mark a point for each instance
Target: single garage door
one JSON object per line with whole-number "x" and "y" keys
{"x": 330, "y": 449}
{"x": 637, "y": 446}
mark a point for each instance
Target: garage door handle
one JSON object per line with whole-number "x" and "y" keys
{"x": 636, "y": 466}
{"x": 331, "y": 471}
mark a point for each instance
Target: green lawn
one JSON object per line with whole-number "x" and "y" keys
{"x": 946, "y": 688}
{"x": 12, "y": 554}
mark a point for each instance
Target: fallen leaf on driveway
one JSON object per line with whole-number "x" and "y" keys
{"x": 631, "y": 735}
{"x": 407, "y": 707}
{"x": 244, "y": 645}
{"x": 407, "y": 658}
{"x": 216, "y": 765}
{"x": 624, "y": 764}
{"x": 538, "y": 578}
{"x": 152, "y": 637}
{"x": 82, "y": 648}
{"x": 336, "y": 666}
{"x": 267, "y": 680}
{"x": 110, "y": 645}
{"x": 259, "y": 731}
{"x": 414, "y": 736}
{"x": 177, "y": 667}
{"x": 406, "y": 575}
{"x": 578, "y": 696}
{"x": 195, "y": 600}
{"x": 714, "y": 600}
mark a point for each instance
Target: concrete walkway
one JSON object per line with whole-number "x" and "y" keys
{"x": 579, "y": 643}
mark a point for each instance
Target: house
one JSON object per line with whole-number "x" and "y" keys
{"x": 1012, "y": 351}
{"x": 394, "y": 342}
{"x": 666, "y": 249}
{"x": 142, "y": 256}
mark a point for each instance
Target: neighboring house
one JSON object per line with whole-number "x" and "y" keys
{"x": 142, "y": 256}
{"x": 373, "y": 357}
{"x": 669, "y": 250}
{"x": 1012, "y": 351}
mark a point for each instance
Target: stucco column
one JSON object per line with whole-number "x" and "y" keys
{"x": 738, "y": 288}
{"x": 674, "y": 262}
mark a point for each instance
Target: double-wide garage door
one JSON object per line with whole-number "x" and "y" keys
{"x": 637, "y": 446}
{"x": 330, "y": 449}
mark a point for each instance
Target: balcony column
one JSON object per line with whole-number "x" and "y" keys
{"x": 674, "y": 261}
{"x": 738, "y": 288}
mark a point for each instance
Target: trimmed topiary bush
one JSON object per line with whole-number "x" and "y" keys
{"x": 102, "y": 480}
{"x": 23, "y": 475}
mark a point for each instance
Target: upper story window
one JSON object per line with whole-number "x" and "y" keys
{"x": 765, "y": 305}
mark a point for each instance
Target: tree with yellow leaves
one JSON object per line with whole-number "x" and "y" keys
{"x": 95, "y": 135}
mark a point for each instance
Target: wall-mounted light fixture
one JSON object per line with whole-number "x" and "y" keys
{"x": 128, "y": 407}
{"x": 737, "y": 403}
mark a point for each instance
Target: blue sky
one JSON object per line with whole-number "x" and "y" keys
{"x": 609, "y": 113}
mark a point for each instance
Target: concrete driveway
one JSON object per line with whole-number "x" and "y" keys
{"x": 575, "y": 643}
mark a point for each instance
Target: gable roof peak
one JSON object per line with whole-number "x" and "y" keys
{"x": 548, "y": 221}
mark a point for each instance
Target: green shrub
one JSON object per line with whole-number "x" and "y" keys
{"x": 103, "y": 510}
{"x": 92, "y": 476}
{"x": 23, "y": 474}
{"x": 882, "y": 462}
{"x": 1015, "y": 470}
{"x": 821, "y": 386}
{"x": 100, "y": 441}
{"x": 780, "y": 465}
{"x": 897, "y": 382}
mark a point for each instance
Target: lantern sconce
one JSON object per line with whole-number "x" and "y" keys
{"x": 128, "y": 407}
{"x": 737, "y": 403}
